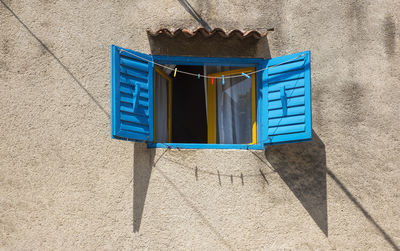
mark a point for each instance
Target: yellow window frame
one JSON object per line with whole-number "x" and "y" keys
{"x": 169, "y": 100}
{"x": 212, "y": 104}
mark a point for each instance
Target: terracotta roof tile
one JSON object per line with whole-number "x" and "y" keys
{"x": 215, "y": 32}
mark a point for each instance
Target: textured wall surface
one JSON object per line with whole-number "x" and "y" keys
{"x": 64, "y": 184}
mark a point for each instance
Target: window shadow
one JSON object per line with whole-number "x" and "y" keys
{"x": 202, "y": 217}
{"x": 143, "y": 160}
{"x": 143, "y": 163}
{"x": 302, "y": 166}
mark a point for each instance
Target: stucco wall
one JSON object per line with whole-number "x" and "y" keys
{"x": 64, "y": 184}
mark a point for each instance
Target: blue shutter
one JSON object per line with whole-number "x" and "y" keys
{"x": 286, "y": 104}
{"x": 131, "y": 95}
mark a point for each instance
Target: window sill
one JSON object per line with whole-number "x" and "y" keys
{"x": 205, "y": 146}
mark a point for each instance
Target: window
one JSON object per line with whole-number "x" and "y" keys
{"x": 149, "y": 104}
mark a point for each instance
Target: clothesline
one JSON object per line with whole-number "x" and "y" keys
{"x": 243, "y": 74}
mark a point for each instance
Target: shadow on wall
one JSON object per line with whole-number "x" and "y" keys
{"x": 143, "y": 160}
{"x": 214, "y": 46}
{"x": 302, "y": 166}
{"x": 142, "y": 167}
{"x": 188, "y": 7}
{"x": 45, "y": 48}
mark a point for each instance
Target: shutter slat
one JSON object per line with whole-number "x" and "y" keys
{"x": 134, "y": 128}
{"x": 290, "y": 94}
{"x": 139, "y": 102}
{"x": 290, "y": 103}
{"x": 130, "y": 135}
{"x": 129, "y": 91}
{"x": 296, "y": 65}
{"x": 133, "y": 81}
{"x": 141, "y": 120}
{"x": 286, "y": 129}
{"x": 133, "y": 72}
{"x": 289, "y": 58}
{"x": 286, "y": 121}
{"x": 141, "y": 111}
{"x": 286, "y": 76}
{"x": 142, "y": 96}
{"x": 288, "y": 85}
{"x": 135, "y": 64}
{"x": 290, "y": 112}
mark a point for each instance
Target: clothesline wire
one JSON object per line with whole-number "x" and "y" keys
{"x": 273, "y": 170}
{"x": 206, "y": 76}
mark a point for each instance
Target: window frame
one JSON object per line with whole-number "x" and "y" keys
{"x": 214, "y": 61}
{"x": 158, "y": 70}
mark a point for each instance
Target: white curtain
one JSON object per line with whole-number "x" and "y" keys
{"x": 234, "y": 111}
{"x": 234, "y": 114}
{"x": 161, "y": 109}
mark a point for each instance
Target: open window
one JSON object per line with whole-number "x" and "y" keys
{"x": 270, "y": 103}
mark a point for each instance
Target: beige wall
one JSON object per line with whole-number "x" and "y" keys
{"x": 64, "y": 184}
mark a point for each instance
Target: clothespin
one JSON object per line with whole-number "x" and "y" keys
{"x": 175, "y": 72}
{"x": 223, "y": 80}
{"x": 198, "y": 76}
{"x": 212, "y": 80}
{"x": 244, "y": 74}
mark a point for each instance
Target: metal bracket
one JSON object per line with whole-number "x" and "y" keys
{"x": 284, "y": 100}
{"x": 135, "y": 96}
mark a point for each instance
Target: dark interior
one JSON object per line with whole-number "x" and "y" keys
{"x": 189, "y": 121}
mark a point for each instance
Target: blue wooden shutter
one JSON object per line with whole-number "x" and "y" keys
{"x": 286, "y": 94}
{"x": 132, "y": 83}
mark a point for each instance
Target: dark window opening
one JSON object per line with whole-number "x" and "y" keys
{"x": 189, "y": 117}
